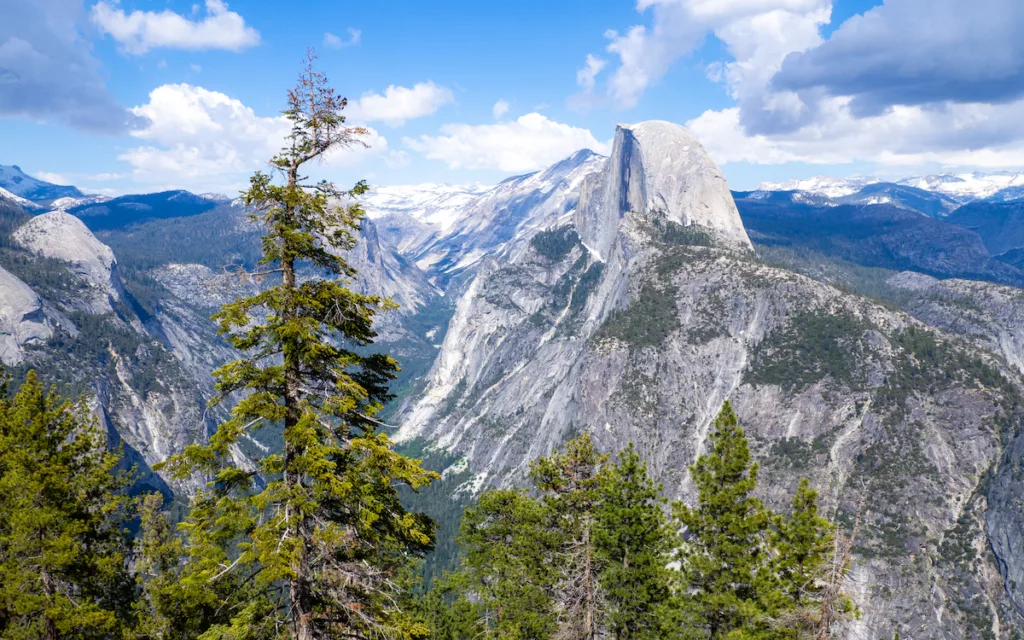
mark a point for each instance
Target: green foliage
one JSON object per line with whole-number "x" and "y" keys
{"x": 673, "y": 233}
{"x": 648, "y": 321}
{"x": 64, "y": 546}
{"x": 634, "y": 543}
{"x": 555, "y": 244}
{"x": 506, "y": 544}
{"x": 592, "y": 555}
{"x": 725, "y": 553}
{"x": 571, "y": 483}
{"x": 810, "y": 347}
{"x": 324, "y": 539}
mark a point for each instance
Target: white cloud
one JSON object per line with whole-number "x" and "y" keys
{"x": 586, "y": 75}
{"x": 355, "y": 36}
{"x": 399, "y": 104}
{"x": 500, "y": 109}
{"x": 205, "y": 140}
{"x": 531, "y": 142}
{"x": 141, "y": 31}
{"x": 53, "y": 178}
{"x": 758, "y": 33}
{"x": 956, "y": 135}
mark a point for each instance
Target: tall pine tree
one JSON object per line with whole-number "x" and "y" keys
{"x": 64, "y": 546}
{"x": 634, "y": 543}
{"x": 725, "y": 548}
{"x": 570, "y": 482}
{"x": 505, "y": 567}
{"x": 327, "y": 527}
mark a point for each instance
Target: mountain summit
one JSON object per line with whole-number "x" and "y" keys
{"x": 658, "y": 170}
{"x": 13, "y": 179}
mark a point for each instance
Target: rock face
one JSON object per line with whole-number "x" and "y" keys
{"x": 449, "y": 244}
{"x": 659, "y": 171}
{"x": 634, "y": 318}
{"x": 64, "y": 237}
{"x": 21, "y": 318}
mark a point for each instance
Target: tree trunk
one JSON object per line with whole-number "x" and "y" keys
{"x": 298, "y": 588}
{"x": 589, "y": 634}
{"x": 50, "y": 632}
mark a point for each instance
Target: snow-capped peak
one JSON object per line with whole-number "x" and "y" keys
{"x": 821, "y": 185}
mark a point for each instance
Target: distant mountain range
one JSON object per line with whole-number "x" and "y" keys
{"x": 960, "y": 187}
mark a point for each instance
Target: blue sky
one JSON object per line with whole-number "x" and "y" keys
{"x": 137, "y": 95}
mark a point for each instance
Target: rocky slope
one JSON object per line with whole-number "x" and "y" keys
{"x": 22, "y": 320}
{"x": 637, "y": 317}
{"x": 484, "y": 222}
{"x": 61, "y": 236}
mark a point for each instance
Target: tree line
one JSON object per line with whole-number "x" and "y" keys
{"x": 312, "y": 541}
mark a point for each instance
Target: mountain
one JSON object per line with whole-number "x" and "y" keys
{"x": 117, "y": 213}
{"x": 966, "y": 187}
{"x": 1000, "y": 225}
{"x": 821, "y": 185}
{"x": 624, "y": 297}
{"x": 935, "y": 205}
{"x": 880, "y": 235}
{"x": 448, "y": 245}
{"x": 10, "y": 199}
{"x": 14, "y": 180}
{"x": 959, "y": 187}
{"x": 635, "y": 317}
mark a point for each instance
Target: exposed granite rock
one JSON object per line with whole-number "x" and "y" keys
{"x": 62, "y": 236}
{"x": 22, "y": 320}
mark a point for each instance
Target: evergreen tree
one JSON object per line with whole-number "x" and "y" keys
{"x": 506, "y": 566}
{"x": 724, "y": 553}
{"x": 571, "y": 483}
{"x": 801, "y": 545}
{"x": 634, "y": 543}
{"x": 326, "y": 537}
{"x": 63, "y": 544}
{"x": 182, "y": 601}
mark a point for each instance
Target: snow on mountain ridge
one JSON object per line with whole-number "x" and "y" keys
{"x": 13, "y": 179}
{"x": 821, "y": 185}
{"x": 964, "y": 187}
{"x": 433, "y": 204}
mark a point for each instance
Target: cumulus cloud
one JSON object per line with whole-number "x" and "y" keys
{"x": 333, "y": 41}
{"x": 914, "y": 52}
{"x": 528, "y": 143}
{"x": 500, "y": 109}
{"x": 958, "y": 135}
{"x": 586, "y": 75}
{"x": 910, "y": 82}
{"x": 206, "y": 140}
{"x": 399, "y": 104}
{"x": 47, "y": 71}
{"x": 758, "y": 33}
{"x": 140, "y": 31}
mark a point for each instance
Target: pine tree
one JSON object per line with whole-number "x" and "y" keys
{"x": 328, "y": 525}
{"x": 64, "y": 548}
{"x": 506, "y": 566}
{"x": 571, "y": 484}
{"x": 181, "y": 601}
{"x": 801, "y": 546}
{"x": 634, "y": 543}
{"x": 724, "y": 553}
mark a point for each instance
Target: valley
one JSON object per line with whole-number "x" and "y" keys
{"x": 870, "y": 336}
